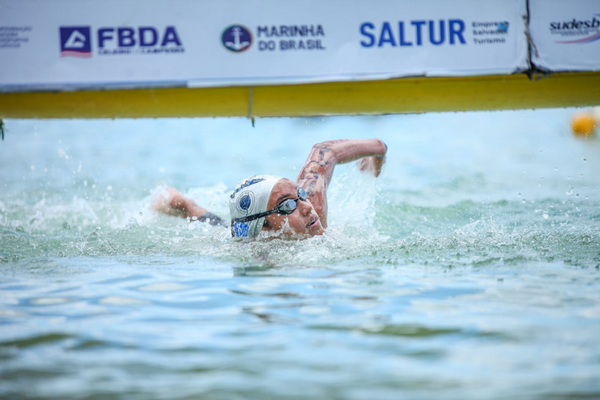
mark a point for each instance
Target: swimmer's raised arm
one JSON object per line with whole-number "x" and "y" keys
{"x": 171, "y": 202}
{"x": 317, "y": 171}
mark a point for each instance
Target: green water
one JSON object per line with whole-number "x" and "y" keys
{"x": 470, "y": 269}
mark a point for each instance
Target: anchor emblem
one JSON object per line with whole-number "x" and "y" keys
{"x": 242, "y": 38}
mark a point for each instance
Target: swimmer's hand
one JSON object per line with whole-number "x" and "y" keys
{"x": 171, "y": 202}
{"x": 373, "y": 164}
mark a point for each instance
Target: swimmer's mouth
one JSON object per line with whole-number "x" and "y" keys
{"x": 313, "y": 222}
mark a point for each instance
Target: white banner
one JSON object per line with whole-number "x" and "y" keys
{"x": 67, "y": 44}
{"x": 566, "y": 34}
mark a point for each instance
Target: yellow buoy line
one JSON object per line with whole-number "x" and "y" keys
{"x": 404, "y": 95}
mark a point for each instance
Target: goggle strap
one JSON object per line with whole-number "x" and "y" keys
{"x": 255, "y": 216}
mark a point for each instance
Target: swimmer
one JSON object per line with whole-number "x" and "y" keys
{"x": 278, "y": 205}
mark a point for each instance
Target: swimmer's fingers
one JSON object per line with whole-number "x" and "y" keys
{"x": 364, "y": 164}
{"x": 372, "y": 164}
{"x": 160, "y": 203}
{"x": 169, "y": 201}
{"x": 378, "y": 164}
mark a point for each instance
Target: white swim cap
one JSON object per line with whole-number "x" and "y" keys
{"x": 250, "y": 197}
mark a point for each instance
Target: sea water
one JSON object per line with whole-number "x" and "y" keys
{"x": 469, "y": 269}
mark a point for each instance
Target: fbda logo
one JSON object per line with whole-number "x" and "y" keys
{"x": 76, "y": 41}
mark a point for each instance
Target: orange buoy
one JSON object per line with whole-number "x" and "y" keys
{"x": 583, "y": 124}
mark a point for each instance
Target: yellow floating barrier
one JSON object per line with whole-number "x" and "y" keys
{"x": 405, "y": 95}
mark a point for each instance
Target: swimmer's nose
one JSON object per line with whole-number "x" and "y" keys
{"x": 304, "y": 207}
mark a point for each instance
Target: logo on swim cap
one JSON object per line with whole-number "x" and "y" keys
{"x": 241, "y": 229}
{"x": 245, "y": 203}
{"x": 236, "y": 38}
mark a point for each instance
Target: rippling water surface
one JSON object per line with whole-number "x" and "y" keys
{"x": 470, "y": 269}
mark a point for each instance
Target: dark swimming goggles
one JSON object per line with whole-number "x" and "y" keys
{"x": 286, "y": 207}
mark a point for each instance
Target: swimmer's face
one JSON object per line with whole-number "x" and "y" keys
{"x": 302, "y": 221}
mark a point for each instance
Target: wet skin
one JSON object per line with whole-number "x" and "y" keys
{"x": 302, "y": 221}
{"x": 310, "y": 217}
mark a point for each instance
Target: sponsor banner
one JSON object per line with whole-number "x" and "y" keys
{"x": 67, "y": 44}
{"x": 565, "y": 34}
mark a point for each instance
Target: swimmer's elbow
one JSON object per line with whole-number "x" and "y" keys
{"x": 326, "y": 150}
